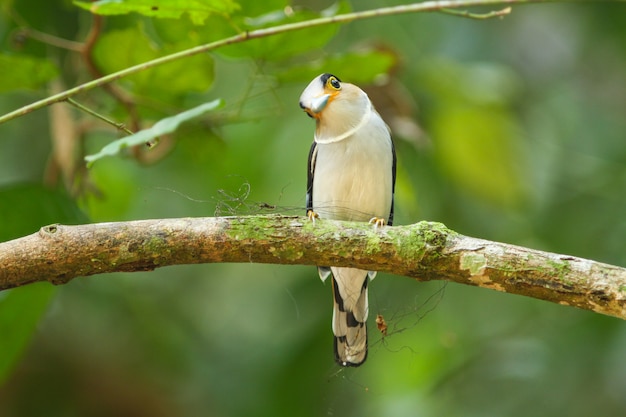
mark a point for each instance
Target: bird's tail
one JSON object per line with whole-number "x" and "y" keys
{"x": 350, "y": 315}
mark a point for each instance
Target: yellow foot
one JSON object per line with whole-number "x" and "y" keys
{"x": 378, "y": 222}
{"x": 312, "y": 215}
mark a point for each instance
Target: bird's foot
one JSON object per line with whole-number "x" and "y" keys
{"x": 377, "y": 222}
{"x": 312, "y": 215}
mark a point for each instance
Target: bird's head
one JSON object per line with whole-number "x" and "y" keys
{"x": 336, "y": 106}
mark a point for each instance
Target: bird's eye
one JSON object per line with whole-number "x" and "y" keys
{"x": 334, "y": 83}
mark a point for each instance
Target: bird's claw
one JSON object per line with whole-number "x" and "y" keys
{"x": 312, "y": 215}
{"x": 377, "y": 222}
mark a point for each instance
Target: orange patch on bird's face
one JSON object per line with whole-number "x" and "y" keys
{"x": 311, "y": 113}
{"x": 332, "y": 93}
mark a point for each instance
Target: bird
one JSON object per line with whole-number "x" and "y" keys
{"x": 351, "y": 175}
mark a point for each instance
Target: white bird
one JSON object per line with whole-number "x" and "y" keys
{"x": 351, "y": 176}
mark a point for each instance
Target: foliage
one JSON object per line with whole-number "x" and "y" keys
{"x": 197, "y": 10}
{"x": 508, "y": 129}
{"x": 24, "y": 72}
{"x": 22, "y": 308}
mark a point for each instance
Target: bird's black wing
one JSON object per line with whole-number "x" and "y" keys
{"x": 310, "y": 172}
{"x": 393, "y": 182}
{"x": 324, "y": 271}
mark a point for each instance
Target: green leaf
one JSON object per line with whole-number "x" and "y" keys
{"x": 286, "y": 45}
{"x": 355, "y": 67}
{"x": 162, "y": 127}
{"x": 256, "y": 7}
{"x": 23, "y": 210}
{"x": 120, "y": 49}
{"x": 198, "y": 10}
{"x": 22, "y": 72}
{"x": 20, "y": 312}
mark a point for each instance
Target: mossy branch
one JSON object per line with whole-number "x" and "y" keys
{"x": 426, "y": 6}
{"x": 424, "y": 251}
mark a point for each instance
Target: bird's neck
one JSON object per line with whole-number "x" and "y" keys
{"x": 342, "y": 125}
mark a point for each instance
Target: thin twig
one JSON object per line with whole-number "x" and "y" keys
{"x": 479, "y": 16}
{"x": 49, "y": 39}
{"x": 427, "y": 6}
{"x": 119, "y": 126}
{"x": 43, "y": 37}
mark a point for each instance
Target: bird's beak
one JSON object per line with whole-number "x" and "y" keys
{"x": 316, "y": 105}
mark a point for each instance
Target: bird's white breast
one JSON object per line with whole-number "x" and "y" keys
{"x": 353, "y": 177}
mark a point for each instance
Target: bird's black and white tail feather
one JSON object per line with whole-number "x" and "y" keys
{"x": 350, "y": 310}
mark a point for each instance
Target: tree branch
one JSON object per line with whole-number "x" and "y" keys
{"x": 424, "y": 251}
{"x": 427, "y": 6}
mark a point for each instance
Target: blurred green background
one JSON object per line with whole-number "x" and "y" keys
{"x": 507, "y": 129}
